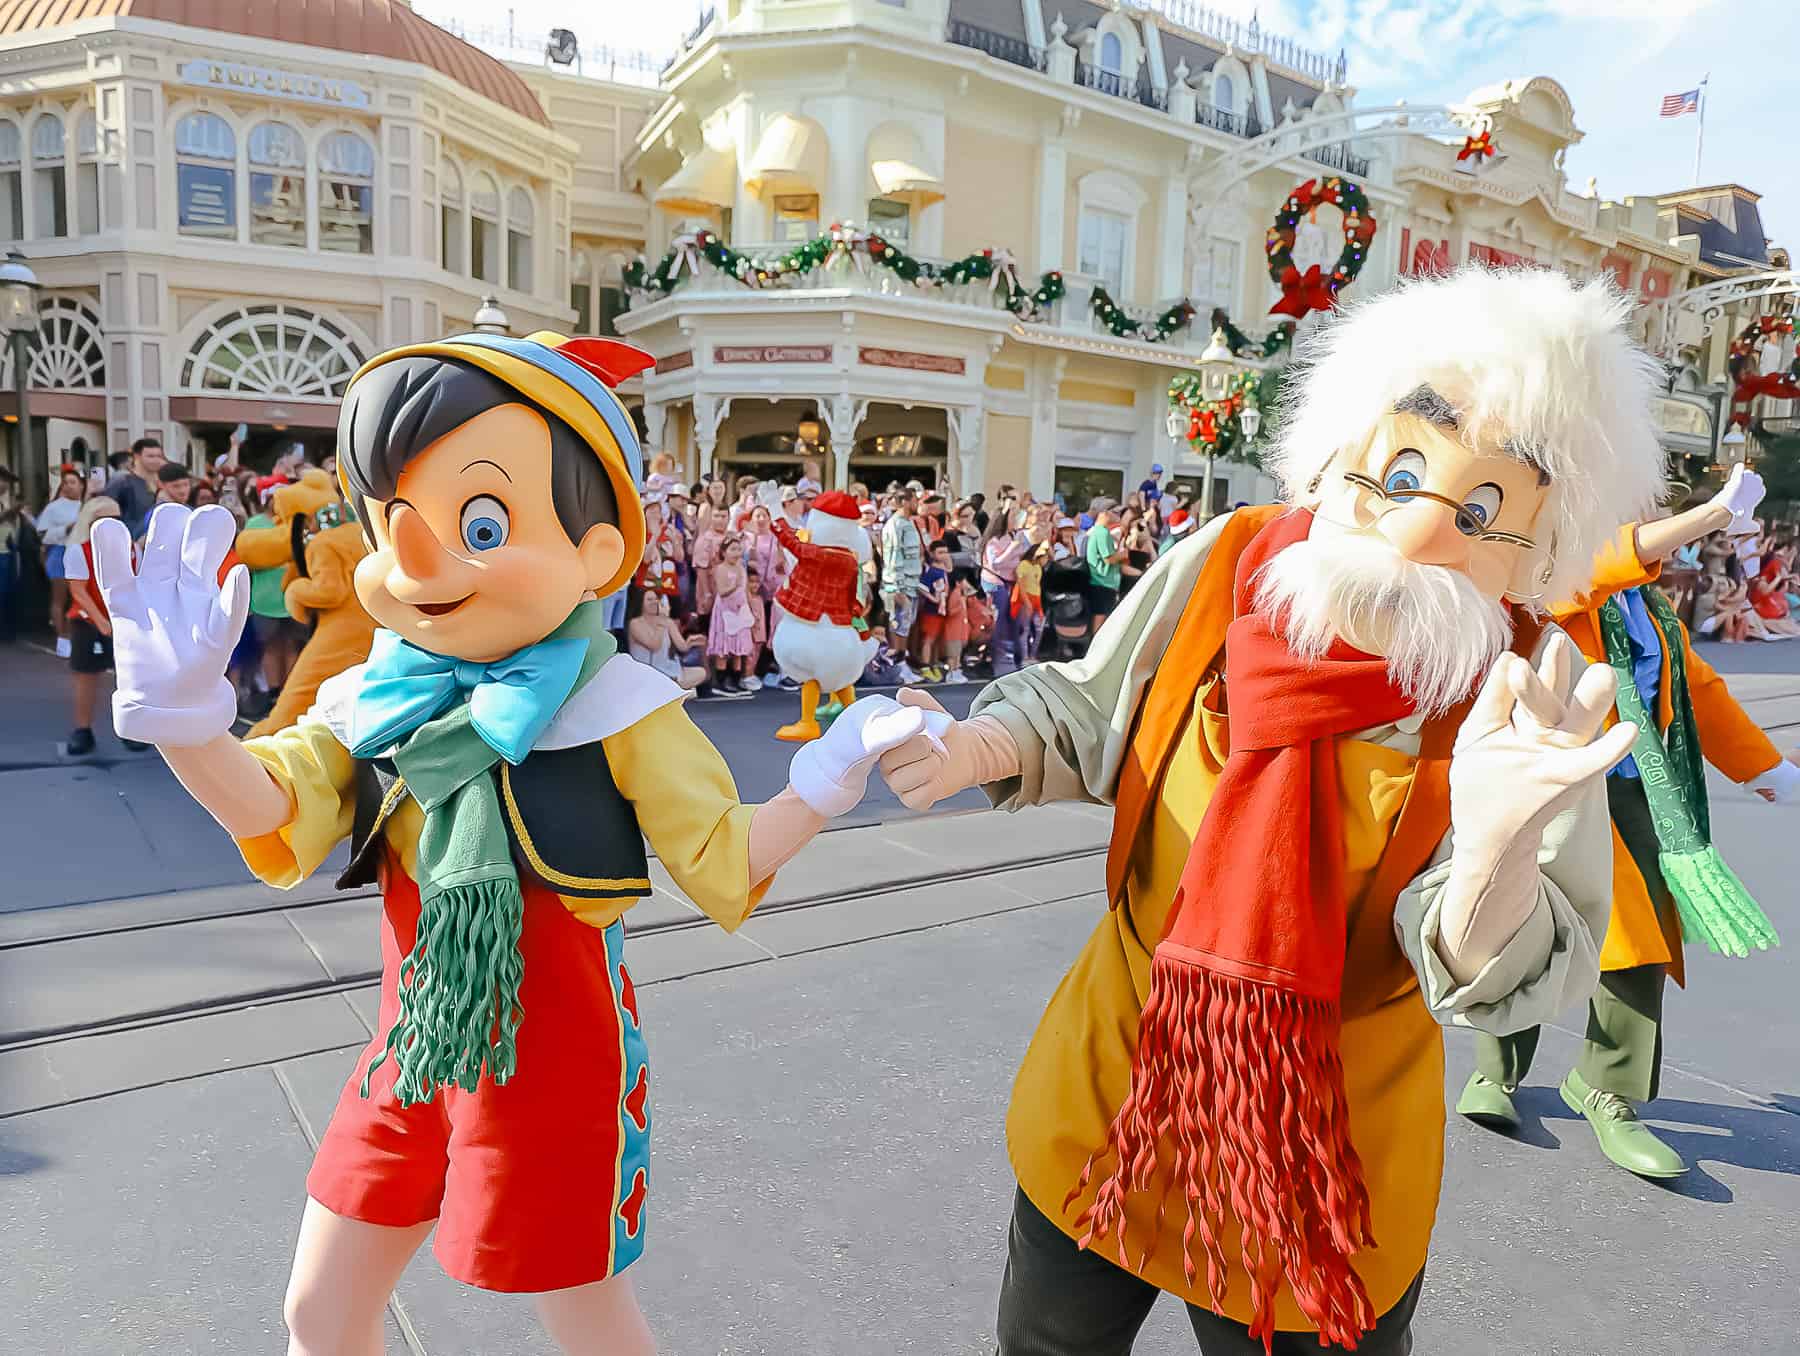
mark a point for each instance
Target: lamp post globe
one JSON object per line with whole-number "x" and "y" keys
{"x": 1216, "y": 364}
{"x": 19, "y": 315}
{"x": 490, "y": 319}
{"x": 1251, "y": 419}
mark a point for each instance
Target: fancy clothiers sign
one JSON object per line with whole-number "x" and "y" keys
{"x": 295, "y": 85}
{"x": 676, "y": 362}
{"x": 776, "y": 353}
{"x": 912, "y": 362}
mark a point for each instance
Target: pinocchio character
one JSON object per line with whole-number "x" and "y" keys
{"x": 496, "y": 767}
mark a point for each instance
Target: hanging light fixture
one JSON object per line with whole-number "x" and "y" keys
{"x": 808, "y": 430}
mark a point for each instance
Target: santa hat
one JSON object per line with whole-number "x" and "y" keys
{"x": 837, "y": 504}
{"x": 1180, "y": 521}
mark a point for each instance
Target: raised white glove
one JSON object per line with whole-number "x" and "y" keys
{"x": 1780, "y": 784}
{"x": 173, "y": 627}
{"x": 1742, "y": 492}
{"x": 831, "y": 773}
{"x": 1530, "y": 741}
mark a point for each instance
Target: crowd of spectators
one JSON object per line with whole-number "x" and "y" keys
{"x": 1739, "y": 589}
{"x": 955, "y": 589}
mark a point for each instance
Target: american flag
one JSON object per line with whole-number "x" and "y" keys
{"x": 1674, "y": 105}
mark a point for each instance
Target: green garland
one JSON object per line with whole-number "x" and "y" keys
{"x": 1123, "y": 326}
{"x": 1280, "y": 337}
{"x": 813, "y": 254}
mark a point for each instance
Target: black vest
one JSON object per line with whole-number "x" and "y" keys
{"x": 571, "y": 829}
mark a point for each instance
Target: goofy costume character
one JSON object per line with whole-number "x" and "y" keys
{"x": 496, "y": 768}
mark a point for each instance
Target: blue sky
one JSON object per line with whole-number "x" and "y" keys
{"x": 1616, "y": 58}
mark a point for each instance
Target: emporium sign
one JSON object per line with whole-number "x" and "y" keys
{"x": 912, "y": 362}
{"x": 273, "y": 84}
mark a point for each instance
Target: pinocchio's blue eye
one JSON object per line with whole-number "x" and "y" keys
{"x": 485, "y": 523}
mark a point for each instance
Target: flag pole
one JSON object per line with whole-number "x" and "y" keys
{"x": 1700, "y": 130}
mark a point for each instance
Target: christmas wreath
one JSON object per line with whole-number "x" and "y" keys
{"x": 1212, "y": 427}
{"x": 1311, "y": 291}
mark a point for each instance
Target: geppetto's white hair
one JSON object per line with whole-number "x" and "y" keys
{"x": 1527, "y": 358}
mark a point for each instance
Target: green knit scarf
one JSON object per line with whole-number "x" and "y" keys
{"x": 1712, "y": 902}
{"x": 459, "y": 985}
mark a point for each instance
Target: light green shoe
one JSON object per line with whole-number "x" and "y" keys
{"x": 1488, "y": 1103}
{"x": 1623, "y": 1137}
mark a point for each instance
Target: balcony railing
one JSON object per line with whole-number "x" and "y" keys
{"x": 1338, "y": 157}
{"x": 1000, "y": 46}
{"x": 1140, "y": 91}
{"x": 1245, "y": 124}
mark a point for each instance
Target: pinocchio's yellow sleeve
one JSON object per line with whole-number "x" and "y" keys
{"x": 688, "y": 808}
{"x": 319, "y": 776}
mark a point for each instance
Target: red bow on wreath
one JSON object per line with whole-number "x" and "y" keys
{"x": 1301, "y": 293}
{"x": 1479, "y": 147}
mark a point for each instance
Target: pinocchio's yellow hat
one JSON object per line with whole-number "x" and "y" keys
{"x": 573, "y": 379}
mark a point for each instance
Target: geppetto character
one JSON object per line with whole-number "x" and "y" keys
{"x": 1358, "y": 791}
{"x": 1669, "y": 883}
{"x": 497, "y": 767}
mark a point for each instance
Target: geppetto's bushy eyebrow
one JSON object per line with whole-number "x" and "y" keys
{"x": 1429, "y": 405}
{"x": 483, "y": 461}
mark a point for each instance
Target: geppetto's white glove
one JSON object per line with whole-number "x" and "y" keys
{"x": 1780, "y": 784}
{"x": 831, "y": 773}
{"x": 1530, "y": 741}
{"x": 1742, "y": 492}
{"x": 173, "y": 627}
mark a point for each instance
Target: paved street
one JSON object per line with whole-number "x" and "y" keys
{"x": 830, "y": 1088}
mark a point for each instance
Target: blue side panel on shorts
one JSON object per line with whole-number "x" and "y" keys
{"x": 633, "y": 1186}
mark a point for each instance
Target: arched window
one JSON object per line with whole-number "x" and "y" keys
{"x": 87, "y": 175}
{"x": 1224, "y": 94}
{"x": 69, "y": 354}
{"x": 1112, "y": 53}
{"x": 454, "y": 253}
{"x": 484, "y": 228}
{"x": 277, "y": 156}
{"x": 346, "y": 194}
{"x": 205, "y": 176}
{"x": 49, "y": 178}
{"x": 271, "y": 349}
{"x": 518, "y": 240}
{"x": 12, "y": 189}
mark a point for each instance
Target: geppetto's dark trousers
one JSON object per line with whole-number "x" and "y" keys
{"x": 1058, "y": 1300}
{"x": 1623, "y": 1050}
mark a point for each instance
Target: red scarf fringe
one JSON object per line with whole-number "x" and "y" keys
{"x": 1263, "y": 1141}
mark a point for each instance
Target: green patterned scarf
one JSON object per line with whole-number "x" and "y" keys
{"x": 459, "y": 985}
{"x": 1712, "y": 902}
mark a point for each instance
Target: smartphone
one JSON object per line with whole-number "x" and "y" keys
{"x": 241, "y": 432}
{"x": 96, "y": 479}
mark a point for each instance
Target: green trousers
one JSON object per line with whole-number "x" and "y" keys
{"x": 1623, "y": 1050}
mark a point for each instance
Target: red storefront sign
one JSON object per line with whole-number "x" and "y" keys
{"x": 775, "y": 353}
{"x": 1620, "y": 267}
{"x": 1497, "y": 258}
{"x": 1655, "y": 284}
{"x": 912, "y": 362}
{"x": 1424, "y": 257}
{"x": 676, "y": 362}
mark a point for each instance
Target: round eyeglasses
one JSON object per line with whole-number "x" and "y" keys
{"x": 1468, "y": 521}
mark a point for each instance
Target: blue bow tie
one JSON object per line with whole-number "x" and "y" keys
{"x": 511, "y": 700}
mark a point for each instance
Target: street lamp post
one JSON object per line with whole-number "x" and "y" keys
{"x": 1216, "y": 364}
{"x": 19, "y": 314}
{"x": 490, "y": 319}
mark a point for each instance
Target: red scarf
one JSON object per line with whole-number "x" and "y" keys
{"x": 1237, "y": 1055}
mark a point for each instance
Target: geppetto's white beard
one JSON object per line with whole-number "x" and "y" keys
{"x": 1438, "y": 632}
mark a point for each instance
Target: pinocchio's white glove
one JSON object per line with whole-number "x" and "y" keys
{"x": 174, "y": 628}
{"x": 1742, "y": 492}
{"x": 831, "y": 773}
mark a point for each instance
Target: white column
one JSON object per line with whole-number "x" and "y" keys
{"x": 1053, "y": 194}
{"x": 709, "y": 413}
{"x": 1045, "y": 384}
{"x": 966, "y": 448}
{"x": 1171, "y": 239}
{"x": 656, "y": 418}
{"x": 842, "y": 416}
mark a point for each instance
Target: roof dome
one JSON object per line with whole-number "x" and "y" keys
{"x": 381, "y": 28}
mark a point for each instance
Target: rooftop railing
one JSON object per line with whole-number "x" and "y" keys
{"x": 1000, "y": 46}
{"x": 622, "y": 65}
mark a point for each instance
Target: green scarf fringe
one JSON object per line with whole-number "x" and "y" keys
{"x": 1713, "y": 903}
{"x": 458, "y": 990}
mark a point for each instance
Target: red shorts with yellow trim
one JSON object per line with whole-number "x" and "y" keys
{"x": 536, "y": 1185}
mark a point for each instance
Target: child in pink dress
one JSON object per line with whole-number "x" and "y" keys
{"x": 731, "y": 638}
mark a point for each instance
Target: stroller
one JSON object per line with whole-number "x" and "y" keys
{"x": 1066, "y": 610}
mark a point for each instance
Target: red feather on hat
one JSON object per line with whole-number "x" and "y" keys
{"x": 608, "y": 359}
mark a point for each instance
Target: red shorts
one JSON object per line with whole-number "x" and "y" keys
{"x": 536, "y": 1185}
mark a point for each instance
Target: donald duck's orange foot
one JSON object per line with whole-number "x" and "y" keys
{"x": 800, "y": 731}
